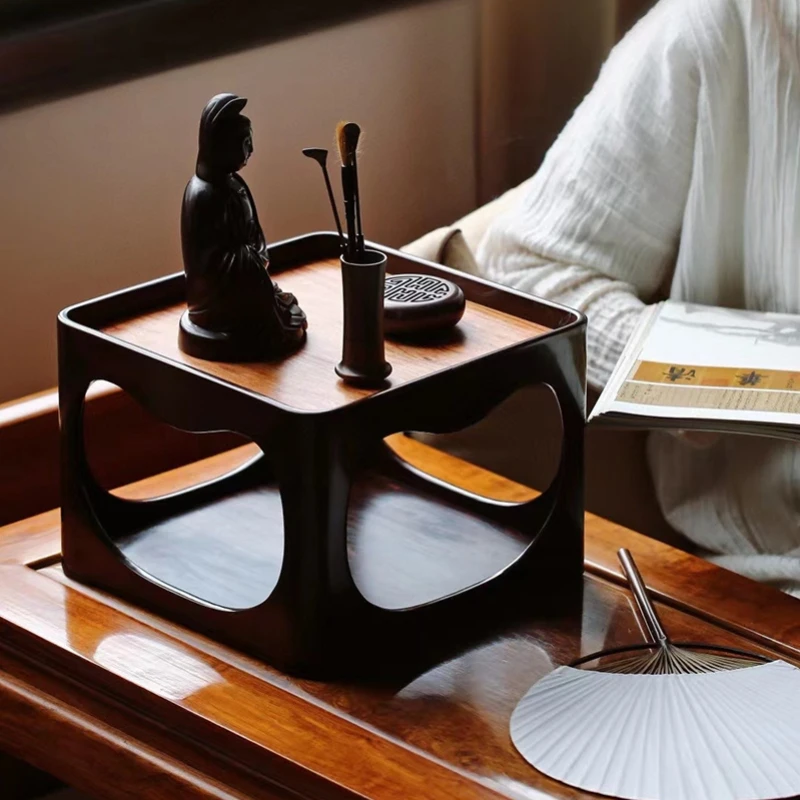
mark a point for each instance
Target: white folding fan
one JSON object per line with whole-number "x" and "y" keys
{"x": 673, "y": 722}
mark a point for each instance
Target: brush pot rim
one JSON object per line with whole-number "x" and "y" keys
{"x": 371, "y": 258}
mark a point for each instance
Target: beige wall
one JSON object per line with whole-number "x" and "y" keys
{"x": 539, "y": 58}
{"x": 91, "y": 190}
{"x": 92, "y": 185}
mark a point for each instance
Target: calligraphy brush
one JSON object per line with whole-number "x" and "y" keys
{"x": 347, "y": 136}
{"x": 320, "y": 155}
{"x": 352, "y": 133}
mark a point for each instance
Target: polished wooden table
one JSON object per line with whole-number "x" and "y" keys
{"x": 122, "y": 704}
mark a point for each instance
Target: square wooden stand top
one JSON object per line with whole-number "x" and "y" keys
{"x": 305, "y": 380}
{"x": 121, "y": 703}
{"x": 494, "y": 319}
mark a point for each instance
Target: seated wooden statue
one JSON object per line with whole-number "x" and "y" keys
{"x": 235, "y": 311}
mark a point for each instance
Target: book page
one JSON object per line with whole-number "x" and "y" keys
{"x": 712, "y": 363}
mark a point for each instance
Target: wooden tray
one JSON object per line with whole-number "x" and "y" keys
{"x": 146, "y": 318}
{"x": 326, "y": 524}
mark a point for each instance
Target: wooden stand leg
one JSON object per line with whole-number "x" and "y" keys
{"x": 315, "y": 589}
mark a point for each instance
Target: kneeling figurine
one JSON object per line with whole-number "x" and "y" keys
{"x": 235, "y": 310}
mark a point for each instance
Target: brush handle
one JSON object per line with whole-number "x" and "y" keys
{"x": 333, "y": 205}
{"x": 646, "y": 608}
{"x": 320, "y": 155}
{"x": 359, "y": 230}
{"x": 348, "y": 192}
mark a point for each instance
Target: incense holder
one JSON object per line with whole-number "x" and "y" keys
{"x": 415, "y": 304}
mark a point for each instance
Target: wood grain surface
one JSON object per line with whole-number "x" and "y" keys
{"x": 405, "y": 547}
{"x": 230, "y": 553}
{"x": 114, "y": 423}
{"x": 306, "y": 380}
{"x": 150, "y": 710}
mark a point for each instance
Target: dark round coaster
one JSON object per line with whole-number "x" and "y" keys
{"x": 417, "y": 303}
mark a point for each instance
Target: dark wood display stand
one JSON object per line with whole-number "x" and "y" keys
{"x": 325, "y": 554}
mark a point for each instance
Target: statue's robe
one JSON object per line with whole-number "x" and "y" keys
{"x": 225, "y": 257}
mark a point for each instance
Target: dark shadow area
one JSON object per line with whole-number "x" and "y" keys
{"x": 52, "y": 49}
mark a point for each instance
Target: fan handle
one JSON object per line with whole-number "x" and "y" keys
{"x": 646, "y": 609}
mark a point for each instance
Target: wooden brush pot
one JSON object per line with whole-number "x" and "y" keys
{"x": 363, "y": 360}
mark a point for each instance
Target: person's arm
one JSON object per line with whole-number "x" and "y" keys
{"x": 598, "y": 226}
{"x": 612, "y": 307}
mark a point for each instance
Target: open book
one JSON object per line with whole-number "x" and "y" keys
{"x": 692, "y": 366}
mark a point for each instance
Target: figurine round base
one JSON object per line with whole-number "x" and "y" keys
{"x": 359, "y": 378}
{"x": 223, "y": 346}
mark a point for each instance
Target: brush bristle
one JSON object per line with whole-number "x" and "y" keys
{"x": 347, "y": 138}
{"x": 352, "y": 133}
{"x": 341, "y": 142}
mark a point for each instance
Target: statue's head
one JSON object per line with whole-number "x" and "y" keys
{"x": 226, "y": 136}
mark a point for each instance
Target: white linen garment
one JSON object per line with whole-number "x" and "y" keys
{"x": 681, "y": 169}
